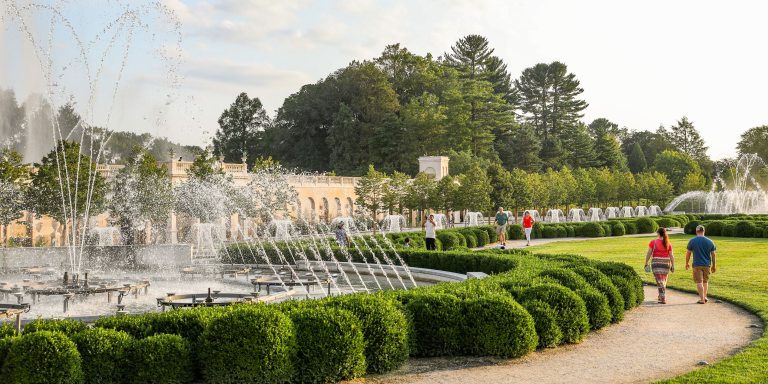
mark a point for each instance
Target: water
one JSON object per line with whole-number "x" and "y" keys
{"x": 554, "y": 216}
{"x": 595, "y": 214}
{"x": 612, "y": 213}
{"x": 641, "y": 211}
{"x": 576, "y": 215}
{"x": 393, "y": 223}
{"x": 626, "y": 212}
{"x": 472, "y": 218}
{"x": 734, "y": 190}
{"x": 105, "y": 236}
{"x": 655, "y": 210}
{"x": 440, "y": 221}
{"x": 281, "y": 229}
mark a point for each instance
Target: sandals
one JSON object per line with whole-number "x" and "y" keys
{"x": 701, "y": 302}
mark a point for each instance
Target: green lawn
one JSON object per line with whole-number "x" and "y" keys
{"x": 742, "y": 278}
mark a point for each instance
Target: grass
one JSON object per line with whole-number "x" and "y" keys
{"x": 741, "y": 278}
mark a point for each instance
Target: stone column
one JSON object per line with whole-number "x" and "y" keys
{"x": 172, "y": 232}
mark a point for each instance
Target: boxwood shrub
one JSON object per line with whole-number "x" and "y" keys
{"x": 607, "y": 229}
{"x": 603, "y": 283}
{"x": 43, "y": 357}
{"x": 385, "y": 328}
{"x": 618, "y": 229}
{"x": 449, "y": 240}
{"x": 491, "y": 232}
{"x": 5, "y": 346}
{"x": 330, "y": 345}
{"x": 438, "y": 324}
{"x": 549, "y": 232}
{"x": 598, "y": 309}
{"x": 104, "y": 354}
{"x": 667, "y": 222}
{"x": 630, "y": 228}
{"x": 592, "y": 230}
{"x": 617, "y": 270}
{"x": 561, "y": 231}
{"x": 483, "y": 238}
{"x": 515, "y": 232}
{"x": 536, "y": 233}
{"x": 160, "y": 359}
{"x": 66, "y": 326}
{"x": 570, "y": 230}
{"x": 569, "y": 308}
{"x": 254, "y": 344}
{"x": 137, "y": 326}
{"x": 469, "y": 237}
{"x": 714, "y": 228}
{"x": 7, "y": 329}
{"x": 646, "y": 225}
{"x": 545, "y": 321}
{"x": 690, "y": 228}
{"x": 729, "y": 229}
{"x": 746, "y": 228}
{"x": 496, "y": 325}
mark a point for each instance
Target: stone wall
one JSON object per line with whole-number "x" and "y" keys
{"x": 101, "y": 258}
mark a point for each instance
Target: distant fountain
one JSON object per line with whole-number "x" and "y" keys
{"x": 576, "y": 215}
{"x": 393, "y": 223}
{"x": 554, "y": 216}
{"x": 595, "y": 214}
{"x": 655, "y": 210}
{"x": 734, "y": 190}
{"x": 281, "y": 229}
{"x": 612, "y": 213}
{"x": 641, "y": 211}
{"x": 440, "y": 221}
{"x": 206, "y": 240}
{"x": 473, "y": 218}
{"x": 349, "y": 223}
{"x": 534, "y": 213}
{"x": 510, "y": 217}
{"x": 626, "y": 212}
{"x": 106, "y": 236}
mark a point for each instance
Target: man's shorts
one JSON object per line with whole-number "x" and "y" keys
{"x": 501, "y": 229}
{"x": 701, "y": 274}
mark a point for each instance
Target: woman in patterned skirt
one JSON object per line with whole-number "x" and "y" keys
{"x": 662, "y": 261}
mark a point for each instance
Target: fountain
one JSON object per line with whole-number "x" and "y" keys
{"x": 655, "y": 210}
{"x": 612, "y": 213}
{"x": 440, "y": 221}
{"x": 534, "y": 213}
{"x": 554, "y": 216}
{"x": 576, "y": 215}
{"x": 206, "y": 238}
{"x": 471, "y": 218}
{"x": 105, "y": 236}
{"x": 393, "y": 223}
{"x": 595, "y": 214}
{"x": 641, "y": 211}
{"x": 281, "y": 229}
{"x": 349, "y": 223}
{"x": 626, "y": 212}
{"x": 734, "y": 190}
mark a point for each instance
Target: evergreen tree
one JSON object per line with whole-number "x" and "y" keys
{"x": 11, "y": 206}
{"x": 636, "y": 159}
{"x": 370, "y": 192}
{"x": 599, "y": 125}
{"x": 470, "y": 55}
{"x": 12, "y": 168}
{"x": 68, "y": 120}
{"x": 474, "y": 190}
{"x": 204, "y": 166}
{"x": 11, "y": 120}
{"x": 686, "y": 139}
{"x": 552, "y": 153}
{"x": 608, "y": 151}
{"x": 501, "y": 186}
{"x": 580, "y": 147}
{"x": 520, "y": 148}
{"x": 240, "y": 126}
{"x": 754, "y": 140}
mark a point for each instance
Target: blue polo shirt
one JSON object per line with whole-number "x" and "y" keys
{"x": 702, "y": 248}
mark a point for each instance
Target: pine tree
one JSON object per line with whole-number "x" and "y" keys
{"x": 520, "y": 149}
{"x": 608, "y": 152}
{"x": 240, "y": 126}
{"x": 686, "y": 139}
{"x": 580, "y": 147}
{"x": 552, "y": 154}
{"x": 636, "y": 159}
{"x": 470, "y": 56}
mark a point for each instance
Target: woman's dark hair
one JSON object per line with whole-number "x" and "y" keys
{"x": 664, "y": 237}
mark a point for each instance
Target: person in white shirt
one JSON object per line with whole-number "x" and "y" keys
{"x": 429, "y": 227}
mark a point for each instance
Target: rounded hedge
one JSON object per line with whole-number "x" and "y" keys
{"x": 570, "y": 310}
{"x": 592, "y": 230}
{"x": 469, "y": 237}
{"x": 618, "y": 229}
{"x": 615, "y": 270}
{"x": 7, "y": 329}
{"x": 570, "y": 230}
{"x": 496, "y": 325}
{"x": 438, "y": 324}
{"x": 160, "y": 359}
{"x": 729, "y": 230}
{"x": 607, "y": 229}
{"x": 482, "y": 236}
{"x": 138, "y": 326}
{"x": 384, "y": 328}
{"x": 646, "y": 225}
{"x": 43, "y": 357}
{"x": 598, "y": 309}
{"x": 449, "y": 240}
{"x": 545, "y": 321}
{"x": 603, "y": 283}
{"x": 515, "y": 232}
{"x": 329, "y": 345}
{"x": 537, "y": 230}
{"x": 5, "y": 346}
{"x": 254, "y": 344}
{"x": 491, "y": 232}
{"x": 747, "y": 229}
{"x": 630, "y": 228}
{"x": 66, "y": 326}
{"x": 690, "y": 228}
{"x": 667, "y": 222}
{"x": 549, "y": 232}
{"x": 561, "y": 231}
{"x": 104, "y": 354}
{"x": 714, "y": 228}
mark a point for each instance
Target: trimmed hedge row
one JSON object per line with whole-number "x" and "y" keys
{"x": 734, "y": 226}
{"x": 531, "y": 301}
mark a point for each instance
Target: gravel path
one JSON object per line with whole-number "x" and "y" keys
{"x": 535, "y": 242}
{"x": 653, "y": 342}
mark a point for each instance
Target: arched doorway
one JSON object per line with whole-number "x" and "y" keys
{"x": 311, "y": 213}
{"x": 350, "y": 207}
{"x": 324, "y": 211}
{"x": 338, "y": 207}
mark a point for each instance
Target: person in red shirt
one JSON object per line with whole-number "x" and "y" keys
{"x": 662, "y": 261}
{"x": 528, "y": 226}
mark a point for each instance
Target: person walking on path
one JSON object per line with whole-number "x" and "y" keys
{"x": 704, "y": 262}
{"x": 429, "y": 228}
{"x": 662, "y": 261}
{"x": 528, "y": 222}
{"x": 501, "y": 226}
{"x": 342, "y": 238}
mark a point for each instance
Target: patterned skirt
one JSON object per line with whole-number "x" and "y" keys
{"x": 660, "y": 265}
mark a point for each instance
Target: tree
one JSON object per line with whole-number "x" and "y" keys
{"x": 586, "y": 187}
{"x": 754, "y": 140}
{"x": 522, "y": 194}
{"x": 445, "y": 194}
{"x": 240, "y": 126}
{"x": 142, "y": 196}
{"x": 369, "y": 191}
{"x": 520, "y": 149}
{"x": 474, "y": 191}
{"x": 268, "y": 193}
{"x": 606, "y": 191}
{"x": 395, "y": 192}
{"x": 686, "y": 139}
{"x": 676, "y": 165}
{"x": 421, "y": 192}
{"x": 600, "y": 125}
{"x": 501, "y": 186}
{"x": 580, "y": 152}
{"x": 693, "y": 182}
{"x": 608, "y": 151}
{"x": 470, "y": 55}
{"x": 552, "y": 153}
{"x": 67, "y": 120}
{"x": 11, "y": 206}
{"x": 548, "y": 97}
{"x": 204, "y": 165}
{"x": 66, "y": 186}
{"x": 12, "y": 168}
{"x": 636, "y": 159}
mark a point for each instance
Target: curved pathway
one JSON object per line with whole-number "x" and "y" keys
{"x": 653, "y": 342}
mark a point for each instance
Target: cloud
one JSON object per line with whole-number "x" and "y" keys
{"x": 225, "y": 71}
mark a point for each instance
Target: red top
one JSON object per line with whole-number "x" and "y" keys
{"x": 658, "y": 248}
{"x": 528, "y": 221}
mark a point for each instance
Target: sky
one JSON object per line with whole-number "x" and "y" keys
{"x": 641, "y": 64}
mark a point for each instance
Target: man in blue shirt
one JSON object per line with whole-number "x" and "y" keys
{"x": 703, "y": 250}
{"x": 501, "y": 226}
